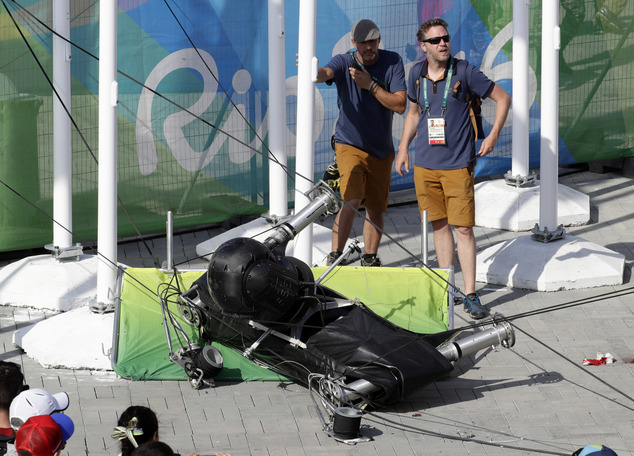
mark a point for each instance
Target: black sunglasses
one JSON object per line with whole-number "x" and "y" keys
{"x": 437, "y": 39}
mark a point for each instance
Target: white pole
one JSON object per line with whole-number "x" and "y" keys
{"x": 549, "y": 116}
{"x": 520, "y": 155}
{"x": 424, "y": 235}
{"x": 62, "y": 148}
{"x": 107, "y": 201}
{"x": 278, "y": 198}
{"x": 305, "y": 152}
{"x": 169, "y": 264}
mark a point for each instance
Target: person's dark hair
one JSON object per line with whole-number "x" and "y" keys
{"x": 11, "y": 383}
{"x": 146, "y": 421}
{"x": 422, "y": 31}
{"x": 154, "y": 448}
{"x": 23, "y": 452}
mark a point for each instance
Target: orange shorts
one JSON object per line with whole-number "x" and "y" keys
{"x": 446, "y": 194}
{"x": 364, "y": 177}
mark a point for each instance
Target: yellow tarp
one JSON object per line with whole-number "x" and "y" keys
{"x": 413, "y": 298}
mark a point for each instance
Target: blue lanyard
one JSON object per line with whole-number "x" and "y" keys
{"x": 447, "y": 85}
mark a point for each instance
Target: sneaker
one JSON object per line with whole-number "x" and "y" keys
{"x": 370, "y": 260}
{"x": 474, "y": 307}
{"x": 332, "y": 257}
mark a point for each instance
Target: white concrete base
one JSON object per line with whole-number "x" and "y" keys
{"x": 78, "y": 339}
{"x": 259, "y": 229}
{"x": 42, "y": 282}
{"x": 502, "y": 206}
{"x": 74, "y": 339}
{"x": 566, "y": 264}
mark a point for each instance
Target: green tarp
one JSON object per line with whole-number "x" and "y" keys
{"x": 413, "y": 298}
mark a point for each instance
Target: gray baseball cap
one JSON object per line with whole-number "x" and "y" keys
{"x": 365, "y": 30}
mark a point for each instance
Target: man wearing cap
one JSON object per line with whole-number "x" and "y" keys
{"x": 370, "y": 89}
{"x": 34, "y": 402}
{"x": 39, "y": 436}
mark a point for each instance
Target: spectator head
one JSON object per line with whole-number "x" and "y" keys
{"x": 424, "y": 28}
{"x": 153, "y": 448}
{"x": 136, "y": 425}
{"x": 594, "y": 450}
{"x": 38, "y": 436}
{"x": 35, "y": 402}
{"x": 11, "y": 383}
{"x": 66, "y": 424}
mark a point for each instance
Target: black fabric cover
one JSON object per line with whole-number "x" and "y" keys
{"x": 351, "y": 342}
{"x": 373, "y": 349}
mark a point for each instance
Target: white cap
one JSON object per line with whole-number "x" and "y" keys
{"x": 35, "y": 402}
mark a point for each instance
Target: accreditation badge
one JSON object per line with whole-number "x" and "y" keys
{"x": 436, "y": 131}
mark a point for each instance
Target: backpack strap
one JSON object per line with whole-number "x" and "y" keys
{"x": 360, "y": 66}
{"x": 473, "y": 100}
{"x": 420, "y": 75}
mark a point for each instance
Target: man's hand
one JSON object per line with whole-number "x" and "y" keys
{"x": 402, "y": 161}
{"x": 361, "y": 77}
{"x": 503, "y": 103}
{"x": 487, "y": 146}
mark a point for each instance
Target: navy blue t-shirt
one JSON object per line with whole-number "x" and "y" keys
{"x": 459, "y": 147}
{"x": 364, "y": 122}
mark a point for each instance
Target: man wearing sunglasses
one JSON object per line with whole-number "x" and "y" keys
{"x": 370, "y": 89}
{"x": 440, "y": 89}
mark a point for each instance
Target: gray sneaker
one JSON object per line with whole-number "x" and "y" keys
{"x": 370, "y": 260}
{"x": 332, "y": 257}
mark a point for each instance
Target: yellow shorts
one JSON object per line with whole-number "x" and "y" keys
{"x": 446, "y": 194}
{"x": 364, "y": 177}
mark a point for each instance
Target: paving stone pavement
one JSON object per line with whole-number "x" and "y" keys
{"x": 534, "y": 399}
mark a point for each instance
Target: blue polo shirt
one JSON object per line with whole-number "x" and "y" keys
{"x": 459, "y": 147}
{"x": 363, "y": 122}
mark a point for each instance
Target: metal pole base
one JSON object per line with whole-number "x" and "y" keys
{"x": 520, "y": 181}
{"x": 547, "y": 236}
{"x": 74, "y": 251}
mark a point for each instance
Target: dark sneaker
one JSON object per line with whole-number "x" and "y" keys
{"x": 332, "y": 257}
{"x": 370, "y": 260}
{"x": 474, "y": 307}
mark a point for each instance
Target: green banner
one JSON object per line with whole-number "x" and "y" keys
{"x": 193, "y": 101}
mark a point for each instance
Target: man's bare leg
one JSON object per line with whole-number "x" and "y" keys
{"x": 372, "y": 231}
{"x": 443, "y": 243}
{"x": 343, "y": 224}
{"x": 467, "y": 256}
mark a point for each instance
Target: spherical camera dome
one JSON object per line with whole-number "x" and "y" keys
{"x": 227, "y": 270}
{"x": 245, "y": 279}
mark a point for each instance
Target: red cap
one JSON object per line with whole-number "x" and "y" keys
{"x": 40, "y": 435}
